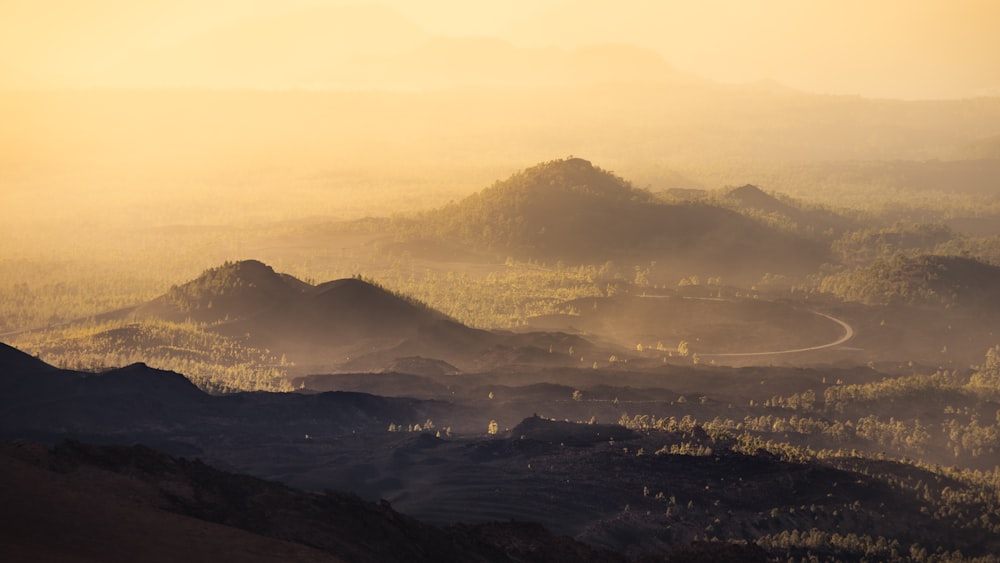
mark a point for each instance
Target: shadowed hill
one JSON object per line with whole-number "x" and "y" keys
{"x": 751, "y": 199}
{"x": 250, "y": 296}
{"x": 280, "y": 312}
{"x": 573, "y": 211}
{"x": 128, "y": 399}
{"x": 145, "y": 404}
{"x": 353, "y": 305}
{"x": 348, "y": 323}
{"x": 949, "y": 281}
{"x": 563, "y": 432}
{"x": 234, "y": 290}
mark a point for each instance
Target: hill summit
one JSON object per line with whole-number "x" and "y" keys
{"x": 233, "y": 290}
{"x": 752, "y": 197}
{"x": 250, "y": 293}
{"x": 550, "y": 210}
{"x": 321, "y": 325}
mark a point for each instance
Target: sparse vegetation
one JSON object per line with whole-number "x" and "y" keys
{"x": 925, "y": 438}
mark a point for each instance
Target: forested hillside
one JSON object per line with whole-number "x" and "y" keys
{"x": 945, "y": 281}
{"x": 574, "y": 212}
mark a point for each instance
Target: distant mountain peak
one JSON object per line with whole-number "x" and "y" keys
{"x": 749, "y": 195}
{"x": 577, "y": 179}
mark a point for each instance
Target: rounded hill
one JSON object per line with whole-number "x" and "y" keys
{"x": 573, "y": 211}
{"x": 355, "y": 307}
{"x": 951, "y": 281}
{"x": 234, "y": 290}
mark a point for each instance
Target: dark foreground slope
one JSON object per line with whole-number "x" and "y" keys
{"x": 785, "y": 474}
{"x": 13, "y": 360}
{"x": 109, "y": 503}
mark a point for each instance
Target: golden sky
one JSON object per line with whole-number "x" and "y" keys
{"x": 909, "y": 49}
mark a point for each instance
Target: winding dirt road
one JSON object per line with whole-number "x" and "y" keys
{"x": 848, "y": 334}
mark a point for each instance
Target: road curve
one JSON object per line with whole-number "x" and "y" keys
{"x": 848, "y": 334}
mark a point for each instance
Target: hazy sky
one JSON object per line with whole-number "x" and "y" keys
{"x": 878, "y": 48}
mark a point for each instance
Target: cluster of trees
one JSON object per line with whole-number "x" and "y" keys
{"x": 34, "y": 295}
{"x": 946, "y": 417}
{"x": 961, "y": 421}
{"x": 869, "y": 244}
{"x": 964, "y": 500}
{"x": 501, "y": 299}
{"x": 427, "y": 426}
{"x": 817, "y": 545}
{"x": 948, "y": 281}
{"x": 215, "y": 363}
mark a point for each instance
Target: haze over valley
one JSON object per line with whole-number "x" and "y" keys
{"x": 547, "y": 281}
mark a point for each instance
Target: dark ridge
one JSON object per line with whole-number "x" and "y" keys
{"x": 13, "y": 360}
{"x": 133, "y": 399}
{"x": 569, "y": 433}
{"x": 167, "y": 386}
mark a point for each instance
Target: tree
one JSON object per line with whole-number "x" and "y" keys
{"x": 682, "y": 348}
{"x": 988, "y": 374}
